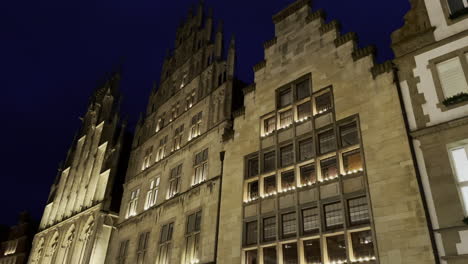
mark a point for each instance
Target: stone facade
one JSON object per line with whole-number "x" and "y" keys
{"x": 15, "y": 248}
{"x": 309, "y": 155}
{"x": 435, "y": 34}
{"x": 84, "y": 200}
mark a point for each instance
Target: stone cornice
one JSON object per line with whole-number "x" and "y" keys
{"x": 378, "y": 69}
{"x": 316, "y": 15}
{"x": 291, "y": 9}
{"x": 333, "y": 25}
{"x": 269, "y": 43}
{"x": 439, "y": 127}
{"x": 350, "y": 36}
{"x": 239, "y": 112}
{"x": 259, "y": 66}
{"x": 250, "y": 88}
{"x": 363, "y": 52}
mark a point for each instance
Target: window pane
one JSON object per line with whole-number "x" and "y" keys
{"x": 287, "y": 155}
{"x": 464, "y": 193}
{"x": 251, "y": 257}
{"x": 253, "y": 189}
{"x": 302, "y": 90}
{"x": 308, "y": 175}
{"x": 285, "y": 98}
{"x": 358, "y": 211}
{"x": 333, "y": 215}
{"x": 363, "y": 246}
{"x": 323, "y": 103}
{"x": 269, "y": 255}
{"x": 287, "y": 180}
{"x": 327, "y": 141}
{"x": 311, "y": 220}
{"x": 306, "y": 149}
{"x": 352, "y": 161}
{"x": 290, "y": 254}
{"x": 312, "y": 252}
{"x": 252, "y": 167}
{"x": 269, "y": 161}
{"x": 452, "y": 78}
{"x": 269, "y": 229}
{"x": 251, "y": 233}
{"x": 289, "y": 224}
{"x": 455, "y": 6}
{"x": 460, "y": 161}
{"x": 336, "y": 248}
{"x": 349, "y": 135}
{"x": 269, "y": 184}
{"x": 269, "y": 125}
{"x": 304, "y": 111}
{"x": 329, "y": 168}
{"x": 286, "y": 118}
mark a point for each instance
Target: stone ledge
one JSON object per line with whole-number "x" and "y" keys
{"x": 269, "y": 43}
{"x": 440, "y": 127}
{"x": 239, "y": 112}
{"x": 364, "y": 52}
{"x": 291, "y": 9}
{"x": 250, "y": 88}
{"x": 334, "y": 24}
{"x": 350, "y": 36}
{"x": 259, "y": 65}
{"x": 381, "y": 68}
{"x": 319, "y": 14}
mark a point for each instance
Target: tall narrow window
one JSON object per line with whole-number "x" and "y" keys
{"x": 253, "y": 190}
{"x": 358, "y": 211}
{"x": 165, "y": 243}
{"x": 352, "y": 161}
{"x": 285, "y": 98}
{"x": 308, "y": 175}
{"x": 195, "y": 126}
{"x": 323, "y": 103}
{"x": 251, "y": 233}
{"x": 174, "y": 181}
{"x": 251, "y": 257}
{"x": 304, "y": 111}
{"x": 327, "y": 141}
{"x": 287, "y": 155}
{"x": 302, "y": 90}
{"x": 333, "y": 215}
{"x": 190, "y": 100}
{"x": 269, "y": 185}
{"x": 286, "y": 118}
{"x": 178, "y": 133}
{"x": 349, "y": 134}
{"x": 252, "y": 167}
{"x": 201, "y": 167}
{"x": 270, "y": 255}
{"x": 452, "y": 78}
{"x": 142, "y": 247}
{"x": 147, "y": 158}
{"x": 269, "y": 228}
{"x": 363, "y": 245}
{"x": 122, "y": 255}
{"x": 329, "y": 168}
{"x": 269, "y": 125}
{"x": 288, "y": 181}
{"x": 152, "y": 194}
{"x": 132, "y": 203}
{"x": 290, "y": 253}
{"x": 306, "y": 149}
{"x": 336, "y": 247}
{"x": 161, "y": 149}
{"x": 460, "y": 167}
{"x": 289, "y": 224}
{"x": 192, "y": 238}
{"x": 312, "y": 252}
{"x": 310, "y": 220}
{"x": 269, "y": 161}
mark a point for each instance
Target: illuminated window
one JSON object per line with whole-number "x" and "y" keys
{"x": 312, "y": 252}
{"x": 161, "y": 149}
{"x": 328, "y": 168}
{"x": 269, "y": 125}
{"x": 252, "y": 167}
{"x": 349, "y": 134}
{"x": 288, "y": 180}
{"x": 323, "y": 103}
{"x": 269, "y": 228}
{"x": 308, "y": 175}
{"x": 192, "y": 237}
{"x": 363, "y": 245}
{"x": 190, "y": 100}
{"x": 152, "y": 194}
{"x": 253, "y": 190}
{"x": 352, "y": 161}
{"x": 287, "y": 155}
{"x": 302, "y": 90}
{"x": 289, "y": 224}
{"x": 142, "y": 247}
{"x": 174, "y": 181}
{"x": 195, "y": 126}
{"x": 201, "y": 167}
{"x": 286, "y": 118}
{"x": 336, "y": 248}
{"x": 251, "y": 233}
{"x": 178, "y": 134}
{"x": 165, "y": 243}
{"x": 270, "y": 255}
{"x": 306, "y": 149}
{"x": 358, "y": 211}
{"x": 251, "y": 257}
{"x": 327, "y": 141}
{"x": 123, "y": 250}
{"x": 310, "y": 220}
{"x": 285, "y": 98}
{"x": 269, "y": 185}
{"x": 269, "y": 161}
{"x": 290, "y": 253}
{"x": 132, "y": 203}
{"x": 147, "y": 158}
{"x": 304, "y": 111}
{"x": 333, "y": 215}
{"x": 459, "y": 158}
{"x": 160, "y": 123}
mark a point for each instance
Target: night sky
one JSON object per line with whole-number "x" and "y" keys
{"x": 53, "y": 53}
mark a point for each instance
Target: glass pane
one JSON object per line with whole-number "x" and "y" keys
{"x": 251, "y": 257}
{"x": 285, "y": 98}
{"x": 464, "y": 192}
{"x": 290, "y": 254}
{"x": 349, "y": 135}
{"x": 306, "y": 149}
{"x": 327, "y": 141}
{"x": 289, "y": 224}
{"x": 452, "y": 78}
{"x": 358, "y": 211}
{"x": 329, "y": 168}
{"x": 251, "y": 233}
{"x": 336, "y": 247}
{"x": 308, "y": 175}
{"x": 312, "y": 252}
{"x": 323, "y": 103}
{"x": 287, "y": 155}
{"x": 363, "y": 246}
{"x": 333, "y": 215}
{"x": 269, "y": 184}
{"x": 269, "y": 125}
{"x": 253, "y": 167}
{"x": 286, "y": 118}
{"x": 269, "y": 161}
{"x": 253, "y": 190}
{"x": 310, "y": 219}
{"x": 302, "y": 90}
{"x": 269, "y": 229}
{"x": 455, "y": 6}
{"x": 287, "y": 180}
{"x": 352, "y": 161}
{"x": 304, "y": 111}
{"x": 460, "y": 161}
{"x": 269, "y": 255}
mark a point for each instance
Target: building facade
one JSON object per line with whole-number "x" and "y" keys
{"x": 15, "y": 248}
{"x": 170, "y": 204}
{"x": 83, "y": 203}
{"x": 319, "y": 168}
{"x": 431, "y": 53}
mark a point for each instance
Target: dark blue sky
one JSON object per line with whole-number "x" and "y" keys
{"x": 52, "y": 54}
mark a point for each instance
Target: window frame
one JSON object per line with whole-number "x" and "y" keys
{"x": 152, "y": 193}
{"x": 200, "y": 165}
{"x": 463, "y": 144}
{"x": 174, "y": 181}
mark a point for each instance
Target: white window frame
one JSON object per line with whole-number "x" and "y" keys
{"x": 161, "y": 153}
{"x": 200, "y": 168}
{"x": 460, "y": 184}
{"x": 195, "y": 125}
{"x": 152, "y": 194}
{"x": 132, "y": 203}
